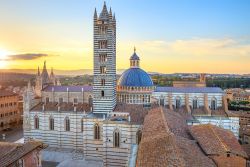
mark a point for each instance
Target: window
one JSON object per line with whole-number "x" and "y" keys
{"x": 103, "y": 45}
{"x": 195, "y": 103}
{"x": 75, "y": 100}
{"x": 178, "y": 103}
{"x": 60, "y": 100}
{"x": 103, "y": 57}
{"x": 51, "y": 123}
{"x": 82, "y": 125}
{"x": 116, "y": 138}
{"x": 96, "y": 132}
{"x": 103, "y": 82}
{"x": 90, "y": 100}
{"x": 213, "y": 104}
{"x": 47, "y": 99}
{"x": 161, "y": 101}
{"x": 67, "y": 124}
{"x": 103, "y": 70}
{"x": 19, "y": 163}
{"x": 102, "y": 29}
{"x": 102, "y": 93}
{"x": 138, "y": 137}
{"x": 36, "y": 122}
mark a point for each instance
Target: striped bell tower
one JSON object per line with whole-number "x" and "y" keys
{"x": 104, "y": 86}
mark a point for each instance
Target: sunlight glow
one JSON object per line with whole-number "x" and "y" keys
{"x": 4, "y": 58}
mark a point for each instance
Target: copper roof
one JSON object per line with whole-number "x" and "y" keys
{"x": 215, "y": 140}
{"x": 11, "y": 152}
{"x": 161, "y": 147}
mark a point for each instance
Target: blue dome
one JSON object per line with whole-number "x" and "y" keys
{"x": 135, "y": 77}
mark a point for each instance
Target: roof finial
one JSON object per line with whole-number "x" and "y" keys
{"x": 134, "y": 49}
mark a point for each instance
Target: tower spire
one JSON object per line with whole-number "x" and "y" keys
{"x": 38, "y": 71}
{"x": 95, "y": 14}
{"x": 44, "y": 65}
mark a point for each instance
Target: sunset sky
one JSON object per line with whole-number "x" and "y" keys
{"x": 211, "y": 36}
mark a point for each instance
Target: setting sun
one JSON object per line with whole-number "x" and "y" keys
{"x": 3, "y": 57}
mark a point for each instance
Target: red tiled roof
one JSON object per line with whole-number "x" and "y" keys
{"x": 16, "y": 151}
{"x": 6, "y": 93}
{"x": 137, "y": 112}
{"x": 215, "y": 140}
{"x": 161, "y": 147}
{"x": 53, "y": 106}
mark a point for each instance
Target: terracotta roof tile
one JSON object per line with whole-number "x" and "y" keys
{"x": 215, "y": 140}
{"x": 161, "y": 147}
{"x": 17, "y": 151}
{"x": 80, "y": 107}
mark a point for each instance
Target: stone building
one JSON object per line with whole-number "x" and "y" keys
{"x": 10, "y": 113}
{"x": 23, "y": 155}
{"x": 105, "y": 121}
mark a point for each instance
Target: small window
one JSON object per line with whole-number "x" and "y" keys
{"x": 47, "y": 99}
{"x": 116, "y": 139}
{"x": 51, "y": 123}
{"x": 82, "y": 125}
{"x": 36, "y": 122}
{"x": 103, "y": 70}
{"x": 96, "y": 132}
{"x": 102, "y": 93}
{"x": 102, "y": 29}
{"x": 213, "y": 104}
{"x": 60, "y": 100}
{"x": 103, "y": 82}
{"x": 103, "y": 57}
{"x": 67, "y": 124}
{"x": 178, "y": 103}
{"x": 75, "y": 100}
{"x": 195, "y": 104}
{"x": 103, "y": 45}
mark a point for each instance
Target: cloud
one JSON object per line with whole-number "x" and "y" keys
{"x": 201, "y": 47}
{"x": 26, "y": 56}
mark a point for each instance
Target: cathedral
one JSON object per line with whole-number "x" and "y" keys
{"x": 105, "y": 120}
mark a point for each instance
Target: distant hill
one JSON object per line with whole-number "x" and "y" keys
{"x": 57, "y": 72}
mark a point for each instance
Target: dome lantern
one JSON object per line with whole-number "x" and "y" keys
{"x": 134, "y": 60}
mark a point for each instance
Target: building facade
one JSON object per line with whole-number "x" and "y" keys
{"x": 10, "y": 113}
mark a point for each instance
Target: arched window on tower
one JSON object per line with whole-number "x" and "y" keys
{"x": 51, "y": 123}
{"x": 138, "y": 137}
{"x": 96, "y": 132}
{"x": 67, "y": 124}
{"x": 36, "y": 122}
{"x": 103, "y": 82}
{"x": 116, "y": 138}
